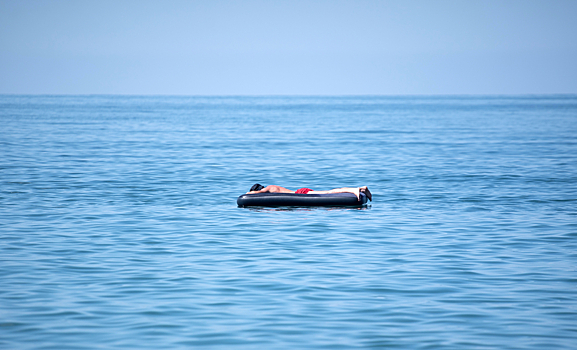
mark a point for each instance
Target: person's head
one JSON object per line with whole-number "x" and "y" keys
{"x": 256, "y": 187}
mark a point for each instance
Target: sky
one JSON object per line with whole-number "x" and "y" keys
{"x": 282, "y": 47}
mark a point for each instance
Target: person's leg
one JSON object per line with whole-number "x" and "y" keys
{"x": 354, "y": 190}
{"x": 368, "y": 193}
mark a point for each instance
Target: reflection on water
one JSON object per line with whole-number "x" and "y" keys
{"x": 297, "y": 209}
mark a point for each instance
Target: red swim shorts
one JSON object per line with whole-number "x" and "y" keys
{"x": 303, "y": 190}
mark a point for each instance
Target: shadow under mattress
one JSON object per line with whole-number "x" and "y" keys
{"x": 301, "y": 200}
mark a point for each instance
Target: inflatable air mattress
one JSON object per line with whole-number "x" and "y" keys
{"x": 301, "y": 200}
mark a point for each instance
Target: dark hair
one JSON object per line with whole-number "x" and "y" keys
{"x": 256, "y": 187}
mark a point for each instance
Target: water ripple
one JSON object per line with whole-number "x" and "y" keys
{"x": 120, "y": 229}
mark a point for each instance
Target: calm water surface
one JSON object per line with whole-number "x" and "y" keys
{"x": 119, "y": 227}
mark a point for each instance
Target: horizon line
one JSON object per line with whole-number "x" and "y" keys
{"x": 297, "y": 95}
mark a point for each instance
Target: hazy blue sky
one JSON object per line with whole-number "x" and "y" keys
{"x": 288, "y": 47}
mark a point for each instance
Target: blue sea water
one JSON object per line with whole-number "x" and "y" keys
{"x": 119, "y": 227}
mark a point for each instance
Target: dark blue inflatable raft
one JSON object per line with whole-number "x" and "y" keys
{"x": 301, "y": 200}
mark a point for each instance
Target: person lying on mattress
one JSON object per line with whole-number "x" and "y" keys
{"x": 258, "y": 188}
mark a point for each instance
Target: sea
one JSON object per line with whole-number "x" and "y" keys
{"x": 119, "y": 227}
